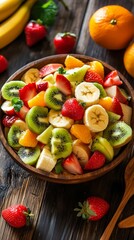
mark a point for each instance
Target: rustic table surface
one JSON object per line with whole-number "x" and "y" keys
{"x": 52, "y": 203}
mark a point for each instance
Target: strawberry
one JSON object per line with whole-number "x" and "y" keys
{"x": 97, "y": 160}
{"x": 41, "y": 86}
{"x": 49, "y": 68}
{"x": 17, "y": 216}
{"x": 27, "y": 92}
{"x": 8, "y": 108}
{"x": 72, "y": 165}
{"x": 22, "y": 112}
{"x": 116, "y": 107}
{"x": 112, "y": 79}
{"x": 9, "y": 120}
{"x": 92, "y": 76}
{"x": 34, "y": 32}
{"x": 3, "y": 63}
{"x": 94, "y": 208}
{"x": 73, "y": 109}
{"x": 64, "y": 42}
{"x": 63, "y": 84}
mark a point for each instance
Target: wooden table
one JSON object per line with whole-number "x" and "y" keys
{"x": 51, "y": 203}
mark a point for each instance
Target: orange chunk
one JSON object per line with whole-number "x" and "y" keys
{"x": 106, "y": 102}
{"x": 28, "y": 139}
{"x": 72, "y": 62}
{"x": 37, "y": 100}
{"x": 81, "y": 132}
{"x": 97, "y": 67}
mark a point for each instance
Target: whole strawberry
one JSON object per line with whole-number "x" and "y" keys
{"x": 3, "y": 63}
{"x": 17, "y": 216}
{"x": 94, "y": 208}
{"x": 34, "y": 32}
{"x": 64, "y": 42}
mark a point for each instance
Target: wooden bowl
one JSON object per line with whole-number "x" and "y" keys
{"x": 65, "y": 177}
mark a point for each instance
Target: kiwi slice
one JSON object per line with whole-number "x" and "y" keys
{"x": 37, "y": 119}
{"x": 113, "y": 117}
{"x": 54, "y": 98}
{"x": 62, "y": 135}
{"x": 118, "y": 134}
{"x": 29, "y": 155}
{"x": 11, "y": 89}
{"x": 45, "y": 136}
{"x": 102, "y": 90}
{"x": 60, "y": 150}
{"x": 13, "y": 136}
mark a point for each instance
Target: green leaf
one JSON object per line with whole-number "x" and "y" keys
{"x": 61, "y": 70}
{"x": 17, "y": 104}
{"x": 58, "y": 167}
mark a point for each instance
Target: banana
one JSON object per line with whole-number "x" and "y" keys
{"x": 11, "y": 28}
{"x": 88, "y": 93}
{"x": 21, "y": 124}
{"x": 81, "y": 151}
{"x": 96, "y": 118}
{"x": 32, "y": 75}
{"x": 46, "y": 161}
{"x": 8, "y": 7}
{"x": 57, "y": 120}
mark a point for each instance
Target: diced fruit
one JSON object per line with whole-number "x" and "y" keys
{"x": 116, "y": 107}
{"x": 81, "y": 132}
{"x": 97, "y": 67}
{"x": 72, "y": 165}
{"x": 54, "y": 98}
{"x": 31, "y": 75}
{"x": 72, "y": 62}
{"x": 29, "y": 155}
{"x": 49, "y": 68}
{"x": 76, "y": 75}
{"x": 92, "y": 76}
{"x": 41, "y": 86}
{"x": 38, "y": 100}
{"x": 63, "y": 84}
{"x": 73, "y": 109}
{"x": 27, "y": 92}
{"x": 45, "y": 136}
{"x": 97, "y": 160}
{"x": 81, "y": 151}
{"x": 58, "y": 120}
{"x": 11, "y": 89}
{"x": 46, "y": 161}
{"x": 7, "y": 121}
{"x": 106, "y": 103}
{"x": 8, "y": 108}
{"x": 50, "y": 79}
{"x": 127, "y": 113}
{"x": 23, "y": 112}
{"x": 112, "y": 79}
{"x": 101, "y": 88}
{"x": 115, "y": 91}
{"x": 113, "y": 117}
{"x": 28, "y": 139}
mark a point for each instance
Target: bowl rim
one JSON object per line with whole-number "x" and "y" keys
{"x": 67, "y": 178}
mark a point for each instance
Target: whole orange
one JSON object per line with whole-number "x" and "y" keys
{"x": 129, "y": 59}
{"x": 112, "y": 27}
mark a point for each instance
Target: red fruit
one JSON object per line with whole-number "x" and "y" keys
{"x": 73, "y": 109}
{"x": 27, "y": 92}
{"x": 23, "y": 112}
{"x": 9, "y": 120}
{"x": 41, "y": 86}
{"x": 64, "y": 42}
{"x": 94, "y": 208}
{"x": 116, "y": 107}
{"x": 17, "y": 216}
{"x": 92, "y": 76}
{"x": 72, "y": 165}
{"x": 3, "y": 63}
{"x": 8, "y": 108}
{"x": 63, "y": 84}
{"x": 34, "y": 32}
{"x": 97, "y": 160}
{"x": 112, "y": 79}
{"x": 49, "y": 68}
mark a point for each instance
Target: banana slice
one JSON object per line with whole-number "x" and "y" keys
{"x": 46, "y": 162}
{"x": 88, "y": 93}
{"x": 81, "y": 151}
{"x": 96, "y": 118}
{"x": 32, "y": 75}
{"x": 57, "y": 120}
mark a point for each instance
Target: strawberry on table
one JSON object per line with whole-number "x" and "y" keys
{"x": 72, "y": 165}
{"x": 63, "y": 84}
{"x": 64, "y": 42}
{"x": 17, "y": 216}
{"x": 97, "y": 160}
{"x": 34, "y": 32}
{"x": 112, "y": 79}
{"x": 27, "y": 92}
{"x": 3, "y": 63}
{"x": 92, "y": 76}
{"x": 94, "y": 208}
{"x": 73, "y": 109}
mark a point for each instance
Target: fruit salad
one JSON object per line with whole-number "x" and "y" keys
{"x": 69, "y": 117}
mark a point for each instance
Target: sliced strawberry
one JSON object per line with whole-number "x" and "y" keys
{"x": 63, "y": 84}
{"x": 92, "y": 76}
{"x": 8, "y": 108}
{"x": 73, "y": 109}
{"x": 97, "y": 160}
{"x": 49, "y": 68}
{"x": 23, "y": 112}
{"x": 112, "y": 79}
{"x": 9, "y": 120}
{"x": 41, "y": 86}
{"x": 27, "y": 92}
{"x": 72, "y": 165}
{"x": 116, "y": 107}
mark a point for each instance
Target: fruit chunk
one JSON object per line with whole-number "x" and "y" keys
{"x": 8, "y": 108}
{"x": 46, "y": 162}
{"x": 116, "y": 107}
{"x": 31, "y": 75}
{"x": 38, "y": 100}
{"x": 72, "y": 62}
{"x": 113, "y": 117}
{"x": 7, "y": 120}
{"x": 45, "y": 136}
{"x": 76, "y": 75}
{"x": 49, "y": 68}
{"x": 81, "y": 132}
{"x": 72, "y": 165}
{"x": 127, "y": 113}
{"x": 106, "y": 103}
{"x": 92, "y": 76}
{"x": 28, "y": 139}
{"x": 115, "y": 91}
{"x": 27, "y": 92}
{"x": 81, "y": 151}
{"x": 118, "y": 134}
{"x": 97, "y": 67}
{"x": 54, "y": 98}
{"x": 14, "y": 135}
{"x": 112, "y": 79}
{"x": 63, "y": 84}
{"x": 11, "y": 89}
{"x": 29, "y": 155}
{"x": 101, "y": 88}
{"x": 97, "y": 160}
{"x": 58, "y": 120}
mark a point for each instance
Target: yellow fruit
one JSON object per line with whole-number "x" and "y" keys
{"x": 38, "y": 100}
{"x": 81, "y": 132}
{"x": 8, "y": 7}
{"x": 72, "y": 62}
{"x": 97, "y": 67}
{"x": 106, "y": 102}
{"x": 129, "y": 59}
{"x": 28, "y": 139}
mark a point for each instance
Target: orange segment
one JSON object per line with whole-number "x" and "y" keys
{"x": 28, "y": 139}
{"x": 97, "y": 67}
{"x": 81, "y": 132}
{"x": 106, "y": 102}
{"x": 38, "y": 100}
{"x": 72, "y": 62}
